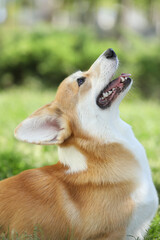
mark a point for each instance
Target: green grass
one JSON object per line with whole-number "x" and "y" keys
{"x": 15, "y": 106}
{"x": 17, "y": 103}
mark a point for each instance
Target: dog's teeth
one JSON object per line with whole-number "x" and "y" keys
{"x": 122, "y": 79}
{"x": 125, "y": 78}
{"x": 105, "y": 94}
{"x": 113, "y": 89}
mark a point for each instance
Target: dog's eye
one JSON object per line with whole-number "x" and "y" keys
{"x": 80, "y": 81}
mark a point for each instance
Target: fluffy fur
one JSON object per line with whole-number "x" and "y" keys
{"x": 101, "y": 189}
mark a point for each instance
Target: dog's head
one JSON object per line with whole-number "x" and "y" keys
{"x": 85, "y": 100}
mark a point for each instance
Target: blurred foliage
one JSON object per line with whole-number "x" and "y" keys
{"x": 50, "y": 55}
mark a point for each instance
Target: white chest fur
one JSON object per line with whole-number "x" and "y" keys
{"x": 72, "y": 158}
{"x": 107, "y": 126}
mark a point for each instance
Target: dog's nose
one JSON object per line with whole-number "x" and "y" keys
{"x": 109, "y": 53}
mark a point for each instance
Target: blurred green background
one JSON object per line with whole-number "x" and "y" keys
{"x": 43, "y": 41}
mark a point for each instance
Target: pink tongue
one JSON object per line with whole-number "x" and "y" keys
{"x": 125, "y": 75}
{"x": 117, "y": 82}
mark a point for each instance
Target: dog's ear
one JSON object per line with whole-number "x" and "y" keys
{"x": 47, "y": 126}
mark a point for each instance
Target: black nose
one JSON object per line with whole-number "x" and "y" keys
{"x": 110, "y": 53}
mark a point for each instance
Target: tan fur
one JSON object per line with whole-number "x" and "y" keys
{"x": 91, "y": 205}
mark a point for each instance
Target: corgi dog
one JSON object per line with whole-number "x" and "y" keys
{"x": 101, "y": 188}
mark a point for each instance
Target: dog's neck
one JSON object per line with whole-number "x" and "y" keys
{"x": 92, "y": 162}
{"x": 104, "y": 124}
{"x": 89, "y": 145}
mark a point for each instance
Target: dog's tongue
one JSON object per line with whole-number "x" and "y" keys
{"x": 125, "y": 75}
{"x": 118, "y": 82}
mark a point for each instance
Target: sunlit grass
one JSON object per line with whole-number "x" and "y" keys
{"x": 15, "y": 106}
{"x": 17, "y": 103}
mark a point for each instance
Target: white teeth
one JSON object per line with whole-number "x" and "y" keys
{"x": 122, "y": 79}
{"x": 113, "y": 89}
{"x": 105, "y": 94}
{"x": 125, "y": 78}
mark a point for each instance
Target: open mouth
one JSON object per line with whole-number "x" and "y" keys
{"x": 112, "y": 90}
